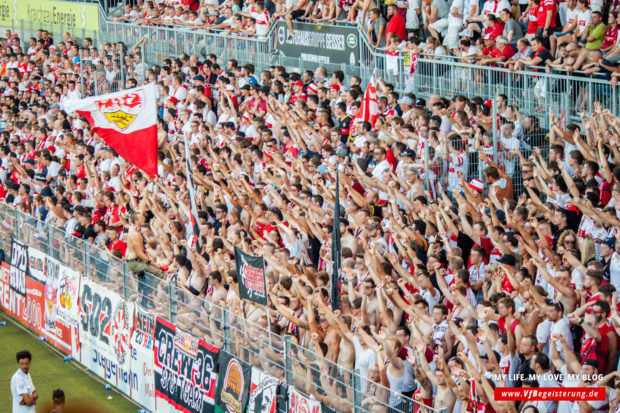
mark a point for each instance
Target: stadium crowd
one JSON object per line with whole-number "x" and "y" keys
{"x": 571, "y": 34}
{"x": 506, "y": 265}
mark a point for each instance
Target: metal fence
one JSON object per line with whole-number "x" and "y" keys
{"x": 225, "y": 327}
{"x": 535, "y": 91}
{"x": 28, "y": 29}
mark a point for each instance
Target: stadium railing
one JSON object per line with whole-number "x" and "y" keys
{"x": 221, "y": 327}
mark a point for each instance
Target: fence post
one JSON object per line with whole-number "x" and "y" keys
{"x": 125, "y": 280}
{"x": 357, "y": 392}
{"x": 122, "y": 65}
{"x": 96, "y": 87}
{"x": 288, "y": 368}
{"x": 226, "y": 323}
{"x": 50, "y": 248}
{"x": 82, "y": 92}
{"x": 172, "y": 299}
{"x": 86, "y": 253}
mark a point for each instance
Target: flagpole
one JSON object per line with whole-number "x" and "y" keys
{"x": 268, "y": 315}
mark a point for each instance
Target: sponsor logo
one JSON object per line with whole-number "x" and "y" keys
{"x": 351, "y": 40}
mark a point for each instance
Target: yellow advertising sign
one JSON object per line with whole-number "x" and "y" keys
{"x": 6, "y": 12}
{"x": 47, "y": 13}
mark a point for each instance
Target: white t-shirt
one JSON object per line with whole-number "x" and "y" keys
{"x": 583, "y": 18}
{"x": 21, "y": 383}
{"x": 413, "y": 20}
{"x": 571, "y": 15}
{"x": 614, "y": 271}
{"x": 491, "y": 7}
{"x": 364, "y": 360}
{"x": 262, "y": 22}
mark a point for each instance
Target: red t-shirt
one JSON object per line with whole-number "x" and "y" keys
{"x": 396, "y": 25}
{"x": 611, "y": 35}
{"x": 590, "y": 349}
{"x": 118, "y": 246}
{"x": 544, "y": 7}
{"x": 507, "y": 52}
{"x": 496, "y": 31}
{"x": 532, "y": 26}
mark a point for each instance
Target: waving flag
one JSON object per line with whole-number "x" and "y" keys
{"x": 194, "y": 235}
{"x": 126, "y": 121}
{"x": 369, "y": 111}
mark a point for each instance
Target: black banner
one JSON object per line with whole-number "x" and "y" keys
{"x": 321, "y": 44}
{"x": 18, "y": 268}
{"x": 233, "y": 385}
{"x": 185, "y": 374}
{"x": 251, "y": 277}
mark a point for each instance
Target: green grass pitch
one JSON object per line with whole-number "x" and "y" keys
{"x": 49, "y": 372}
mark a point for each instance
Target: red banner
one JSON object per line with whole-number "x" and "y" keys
{"x": 10, "y": 300}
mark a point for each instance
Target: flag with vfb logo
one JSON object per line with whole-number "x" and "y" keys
{"x": 126, "y": 121}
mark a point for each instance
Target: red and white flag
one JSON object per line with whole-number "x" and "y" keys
{"x": 562, "y": 122}
{"x": 414, "y": 63}
{"x": 126, "y": 121}
{"x": 369, "y": 110}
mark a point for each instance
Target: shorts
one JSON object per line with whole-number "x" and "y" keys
{"x": 297, "y": 14}
{"x": 558, "y": 35}
{"x": 440, "y": 25}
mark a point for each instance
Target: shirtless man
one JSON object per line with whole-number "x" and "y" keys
{"x": 136, "y": 258}
{"x": 370, "y": 302}
{"x": 445, "y": 397}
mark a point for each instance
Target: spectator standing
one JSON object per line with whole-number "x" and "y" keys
{"x": 376, "y": 29}
{"x": 24, "y": 394}
{"x": 396, "y": 24}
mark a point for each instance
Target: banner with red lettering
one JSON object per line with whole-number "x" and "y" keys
{"x": 142, "y": 340}
{"x": 298, "y": 403}
{"x": 185, "y": 371}
{"x": 251, "y": 277}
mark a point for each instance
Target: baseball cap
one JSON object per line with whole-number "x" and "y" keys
{"x": 610, "y": 242}
{"x": 420, "y": 102}
{"x": 245, "y": 87}
{"x": 198, "y": 78}
{"x": 591, "y": 363}
{"x": 508, "y": 260}
{"x": 335, "y": 87}
{"x": 299, "y": 83}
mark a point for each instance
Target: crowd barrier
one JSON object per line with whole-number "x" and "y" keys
{"x": 156, "y": 342}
